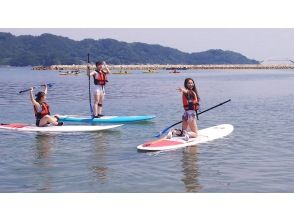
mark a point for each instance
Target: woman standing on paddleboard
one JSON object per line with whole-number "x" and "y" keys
{"x": 100, "y": 81}
{"x": 190, "y": 100}
{"x": 42, "y": 109}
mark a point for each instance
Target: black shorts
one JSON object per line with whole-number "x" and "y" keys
{"x": 38, "y": 122}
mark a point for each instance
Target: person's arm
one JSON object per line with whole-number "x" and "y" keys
{"x": 91, "y": 73}
{"x": 46, "y": 89}
{"x": 182, "y": 90}
{"x": 105, "y": 68}
{"x": 32, "y": 98}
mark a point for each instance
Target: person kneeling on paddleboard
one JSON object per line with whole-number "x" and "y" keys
{"x": 42, "y": 109}
{"x": 100, "y": 81}
{"x": 191, "y": 100}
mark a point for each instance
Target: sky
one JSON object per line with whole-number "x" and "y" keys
{"x": 255, "y": 43}
{"x": 257, "y": 30}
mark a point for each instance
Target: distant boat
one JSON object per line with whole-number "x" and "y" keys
{"x": 175, "y": 71}
{"x": 70, "y": 73}
{"x": 178, "y": 68}
{"x": 120, "y": 72}
{"x": 150, "y": 71}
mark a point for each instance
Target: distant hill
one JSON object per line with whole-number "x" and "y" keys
{"x": 48, "y": 49}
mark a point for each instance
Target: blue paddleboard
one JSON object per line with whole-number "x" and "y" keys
{"x": 105, "y": 119}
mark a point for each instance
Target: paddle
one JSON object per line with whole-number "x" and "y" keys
{"x": 166, "y": 129}
{"x": 48, "y": 84}
{"x": 88, "y": 72}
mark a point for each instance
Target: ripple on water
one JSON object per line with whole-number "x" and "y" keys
{"x": 256, "y": 157}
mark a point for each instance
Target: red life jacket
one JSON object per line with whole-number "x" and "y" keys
{"x": 45, "y": 110}
{"x": 100, "y": 78}
{"x": 190, "y": 102}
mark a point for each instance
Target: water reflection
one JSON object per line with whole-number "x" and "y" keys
{"x": 44, "y": 146}
{"x": 100, "y": 168}
{"x": 190, "y": 169}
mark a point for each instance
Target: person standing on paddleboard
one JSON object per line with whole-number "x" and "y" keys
{"x": 190, "y": 100}
{"x": 42, "y": 109}
{"x": 100, "y": 80}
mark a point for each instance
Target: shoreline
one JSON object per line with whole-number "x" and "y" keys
{"x": 170, "y": 67}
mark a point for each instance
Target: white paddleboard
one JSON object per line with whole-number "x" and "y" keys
{"x": 204, "y": 135}
{"x": 64, "y": 128}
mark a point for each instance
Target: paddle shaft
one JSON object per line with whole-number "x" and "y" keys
{"x": 89, "y": 85}
{"x": 214, "y": 106}
{"x": 166, "y": 129}
{"x": 49, "y": 84}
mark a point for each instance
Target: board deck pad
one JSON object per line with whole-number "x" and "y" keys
{"x": 15, "y": 125}
{"x": 204, "y": 135}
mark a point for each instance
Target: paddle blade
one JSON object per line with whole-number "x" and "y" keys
{"x": 166, "y": 129}
{"x": 48, "y": 84}
{"x": 24, "y": 91}
{"x": 157, "y": 135}
{"x": 162, "y": 132}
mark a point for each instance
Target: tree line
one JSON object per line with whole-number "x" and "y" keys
{"x": 49, "y": 49}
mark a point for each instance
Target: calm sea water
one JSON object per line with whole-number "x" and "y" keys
{"x": 256, "y": 157}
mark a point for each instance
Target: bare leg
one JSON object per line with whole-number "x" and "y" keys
{"x": 184, "y": 125}
{"x": 96, "y": 102}
{"x": 48, "y": 119}
{"x": 193, "y": 126}
{"x": 101, "y": 99}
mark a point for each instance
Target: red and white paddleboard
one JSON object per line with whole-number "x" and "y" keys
{"x": 64, "y": 128}
{"x": 204, "y": 135}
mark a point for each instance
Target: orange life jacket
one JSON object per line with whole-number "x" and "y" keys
{"x": 190, "y": 102}
{"x": 45, "y": 110}
{"x": 100, "y": 78}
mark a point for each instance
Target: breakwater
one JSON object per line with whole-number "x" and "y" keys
{"x": 170, "y": 67}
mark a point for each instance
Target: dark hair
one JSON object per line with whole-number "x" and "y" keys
{"x": 99, "y": 62}
{"x": 194, "y": 87}
{"x": 39, "y": 95}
